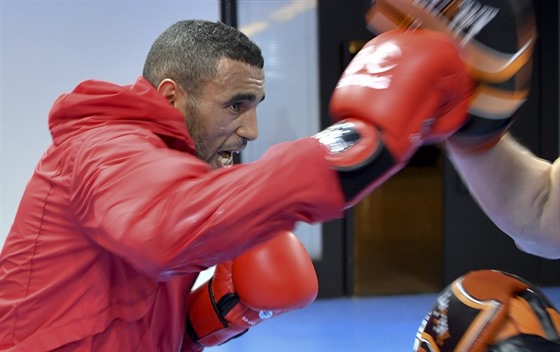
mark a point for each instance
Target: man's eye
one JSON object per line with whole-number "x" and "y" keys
{"x": 235, "y": 106}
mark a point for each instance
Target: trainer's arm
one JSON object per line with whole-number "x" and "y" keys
{"x": 517, "y": 190}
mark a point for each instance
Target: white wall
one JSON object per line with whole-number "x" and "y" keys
{"x": 47, "y": 48}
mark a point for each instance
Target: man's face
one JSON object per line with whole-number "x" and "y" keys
{"x": 224, "y": 117}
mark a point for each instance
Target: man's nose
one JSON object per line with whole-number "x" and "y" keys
{"x": 249, "y": 128}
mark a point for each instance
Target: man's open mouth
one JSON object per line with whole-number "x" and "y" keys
{"x": 226, "y": 158}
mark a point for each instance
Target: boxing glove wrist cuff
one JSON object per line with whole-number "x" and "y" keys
{"x": 214, "y": 329}
{"x": 359, "y": 155}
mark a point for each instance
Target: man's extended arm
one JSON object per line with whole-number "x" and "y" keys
{"x": 518, "y": 191}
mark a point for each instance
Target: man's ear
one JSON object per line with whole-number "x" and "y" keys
{"x": 169, "y": 89}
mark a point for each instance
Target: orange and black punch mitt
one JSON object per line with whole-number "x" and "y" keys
{"x": 490, "y": 311}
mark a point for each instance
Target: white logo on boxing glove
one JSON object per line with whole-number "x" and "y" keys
{"x": 368, "y": 67}
{"x": 265, "y": 314}
{"x": 375, "y": 59}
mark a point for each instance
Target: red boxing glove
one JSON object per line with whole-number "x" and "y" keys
{"x": 402, "y": 90}
{"x": 270, "y": 279}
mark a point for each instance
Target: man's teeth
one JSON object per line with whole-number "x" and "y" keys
{"x": 226, "y": 158}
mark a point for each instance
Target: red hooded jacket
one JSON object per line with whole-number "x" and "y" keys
{"x": 119, "y": 218}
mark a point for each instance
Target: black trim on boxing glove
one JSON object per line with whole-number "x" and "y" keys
{"x": 225, "y": 304}
{"x": 354, "y": 181}
{"x": 221, "y": 309}
{"x": 190, "y": 331}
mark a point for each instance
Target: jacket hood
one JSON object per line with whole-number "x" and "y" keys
{"x": 96, "y": 103}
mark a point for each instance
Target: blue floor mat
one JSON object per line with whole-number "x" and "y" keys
{"x": 373, "y": 324}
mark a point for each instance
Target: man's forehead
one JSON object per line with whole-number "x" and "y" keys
{"x": 229, "y": 67}
{"x": 236, "y": 78}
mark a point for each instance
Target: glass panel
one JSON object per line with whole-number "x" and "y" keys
{"x": 286, "y": 31}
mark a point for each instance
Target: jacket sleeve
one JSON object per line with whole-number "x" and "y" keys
{"x": 166, "y": 213}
